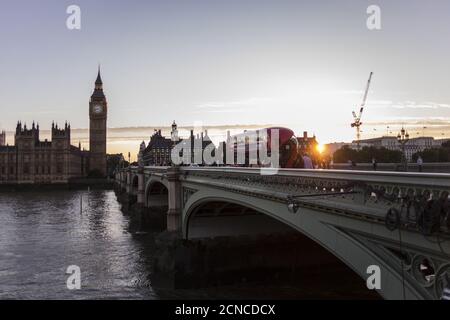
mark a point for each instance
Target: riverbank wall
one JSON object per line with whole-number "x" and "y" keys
{"x": 73, "y": 184}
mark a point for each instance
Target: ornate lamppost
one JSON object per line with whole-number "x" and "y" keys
{"x": 403, "y": 138}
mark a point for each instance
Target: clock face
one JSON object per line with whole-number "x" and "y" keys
{"x": 98, "y": 109}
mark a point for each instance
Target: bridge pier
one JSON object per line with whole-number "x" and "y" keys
{"x": 123, "y": 180}
{"x": 174, "y": 212}
{"x": 128, "y": 181}
{"x": 141, "y": 188}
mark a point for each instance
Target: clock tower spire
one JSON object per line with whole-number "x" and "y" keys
{"x": 98, "y": 111}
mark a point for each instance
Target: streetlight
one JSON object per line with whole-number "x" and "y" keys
{"x": 403, "y": 138}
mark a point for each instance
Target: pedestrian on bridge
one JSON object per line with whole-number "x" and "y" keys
{"x": 374, "y": 164}
{"x": 307, "y": 162}
{"x": 420, "y": 163}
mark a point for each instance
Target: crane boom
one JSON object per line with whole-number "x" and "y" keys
{"x": 357, "y": 124}
{"x": 365, "y": 94}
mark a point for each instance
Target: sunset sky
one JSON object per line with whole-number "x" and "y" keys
{"x": 300, "y": 64}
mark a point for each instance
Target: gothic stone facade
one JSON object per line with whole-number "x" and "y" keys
{"x": 31, "y": 160}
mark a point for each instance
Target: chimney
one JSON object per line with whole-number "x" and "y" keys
{"x": 305, "y": 134}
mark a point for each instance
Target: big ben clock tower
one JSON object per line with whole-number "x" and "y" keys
{"x": 98, "y": 111}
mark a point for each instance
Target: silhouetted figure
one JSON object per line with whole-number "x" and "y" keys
{"x": 420, "y": 163}
{"x": 374, "y": 164}
{"x": 307, "y": 162}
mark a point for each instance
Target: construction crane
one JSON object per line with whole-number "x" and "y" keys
{"x": 357, "y": 118}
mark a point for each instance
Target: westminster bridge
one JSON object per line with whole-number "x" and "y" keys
{"x": 398, "y": 222}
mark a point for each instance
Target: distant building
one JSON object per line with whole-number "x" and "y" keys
{"x": 439, "y": 142}
{"x": 412, "y": 146}
{"x": 307, "y": 144}
{"x": 31, "y": 160}
{"x": 194, "y": 147}
{"x": 174, "y": 133}
{"x": 2, "y": 138}
{"x": 158, "y": 152}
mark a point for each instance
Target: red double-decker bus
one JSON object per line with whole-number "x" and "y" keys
{"x": 247, "y": 148}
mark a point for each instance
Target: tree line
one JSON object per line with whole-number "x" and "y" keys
{"x": 384, "y": 155}
{"x": 366, "y": 154}
{"x": 441, "y": 154}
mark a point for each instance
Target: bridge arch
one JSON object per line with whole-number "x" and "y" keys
{"x": 324, "y": 229}
{"x": 156, "y": 193}
{"x": 134, "y": 184}
{"x": 228, "y": 218}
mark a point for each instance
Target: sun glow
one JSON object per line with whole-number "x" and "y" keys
{"x": 320, "y": 148}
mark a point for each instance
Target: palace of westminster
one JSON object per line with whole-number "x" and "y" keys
{"x": 31, "y": 160}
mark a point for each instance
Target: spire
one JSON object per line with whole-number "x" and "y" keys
{"x": 99, "y": 77}
{"x": 98, "y": 92}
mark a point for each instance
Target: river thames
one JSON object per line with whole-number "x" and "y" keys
{"x": 42, "y": 233}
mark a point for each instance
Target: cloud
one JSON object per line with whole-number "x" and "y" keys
{"x": 431, "y": 121}
{"x": 344, "y": 92}
{"x": 408, "y": 104}
{"x": 236, "y": 104}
